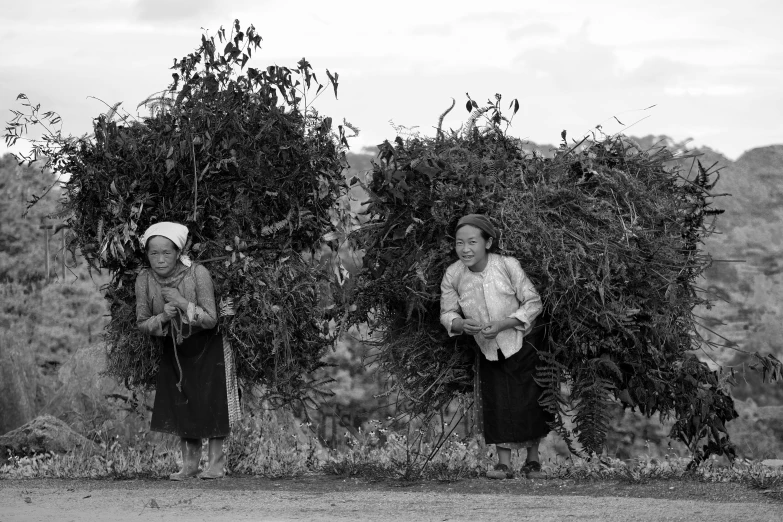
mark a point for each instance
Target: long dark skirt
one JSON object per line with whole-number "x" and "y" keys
{"x": 509, "y": 394}
{"x": 200, "y": 410}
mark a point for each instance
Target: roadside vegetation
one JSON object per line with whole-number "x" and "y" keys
{"x": 273, "y": 452}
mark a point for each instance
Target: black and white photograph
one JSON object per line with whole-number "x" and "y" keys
{"x": 409, "y": 261}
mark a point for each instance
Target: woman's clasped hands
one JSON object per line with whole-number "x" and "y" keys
{"x": 488, "y": 330}
{"x": 174, "y": 301}
{"x": 491, "y": 330}
{"x": 472, "y": 326}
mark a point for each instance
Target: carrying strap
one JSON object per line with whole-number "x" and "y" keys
{"x": 176, "y": 327}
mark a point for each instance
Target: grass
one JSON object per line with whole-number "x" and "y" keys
{"x": 144, "y": 460}
{"x": 265, "y": 445}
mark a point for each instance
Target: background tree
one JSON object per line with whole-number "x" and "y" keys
{"x": 41, "y": 326}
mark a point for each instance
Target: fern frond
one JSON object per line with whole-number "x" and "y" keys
{"x": 274, "y": 227}
{"x": 488, "y": 167}
{"x": 157, "y": 102}
{"x": 610, "y": 366}
{"x": 439, "y": 134}
{"x": 551, "y": 375}
{"x": 353, "y": 128}
{"x": 470, "y": 124}
{"x": 226, "y": 307}
{"x": 592, "y": 395}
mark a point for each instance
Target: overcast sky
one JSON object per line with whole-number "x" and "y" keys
{"x": 713, "y": 68}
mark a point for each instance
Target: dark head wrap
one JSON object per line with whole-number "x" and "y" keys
{"x": 479, "y": 221}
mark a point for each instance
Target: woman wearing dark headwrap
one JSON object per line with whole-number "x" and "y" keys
{"x": 196, "y": 393}
{"x": 488, "y": 296}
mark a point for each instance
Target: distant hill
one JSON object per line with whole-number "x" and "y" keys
{"x": 361, "y": 161}
{"x": 750, "y": 313}
{"x": 755, "y": 181}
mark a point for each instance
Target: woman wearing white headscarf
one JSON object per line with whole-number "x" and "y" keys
{"x": 196, "y": 392}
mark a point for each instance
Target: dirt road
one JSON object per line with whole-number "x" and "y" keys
{"x": 332, "y": 498}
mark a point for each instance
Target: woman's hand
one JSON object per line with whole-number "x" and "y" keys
{"x": 169, "y": 311}
{"x": 491, "y": 330}
{"x": 466, "y": 326}
{"x": 172, "y": 295}
{"x": 471, "y": 326}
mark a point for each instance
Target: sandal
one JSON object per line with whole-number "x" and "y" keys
{"x": 501, "y": 471}
{"x": 532, "y": 469}
{"x": 183, "y": 475}
{"x": 211, "y": 475}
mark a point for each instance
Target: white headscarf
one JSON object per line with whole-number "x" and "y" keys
{"x": 177, "y": 233}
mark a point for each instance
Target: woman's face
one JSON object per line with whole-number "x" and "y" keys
{"x": 162, "y": 255}
{"x": 471, "y": 247}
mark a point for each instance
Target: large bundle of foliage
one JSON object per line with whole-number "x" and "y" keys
{"x": 611, "y": 236}
{"x": 241, "y": 158}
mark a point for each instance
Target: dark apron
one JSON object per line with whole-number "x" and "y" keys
{"x": 200, "y": 409}
{"x": 508, "y": 393}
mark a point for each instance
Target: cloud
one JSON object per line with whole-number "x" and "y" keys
{"x": 431, "y": 30}
{"x": 660, "y": 71}
{"x": 576, "y": 63}
{"x": 535, "y": 29}
{"x": 490, "y": 17}
{"x": 681, "y": 43}
{"x": 173, "y": 10}
{"x": 706, "y": 90}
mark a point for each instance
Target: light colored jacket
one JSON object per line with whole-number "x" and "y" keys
{"x": 500, "y": 291}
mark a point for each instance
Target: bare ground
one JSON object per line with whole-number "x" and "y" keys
{"x": 325, "y": 498}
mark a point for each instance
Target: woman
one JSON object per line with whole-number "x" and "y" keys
{"x": 488, "y": 296}
{"x": 196, "y": 392}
